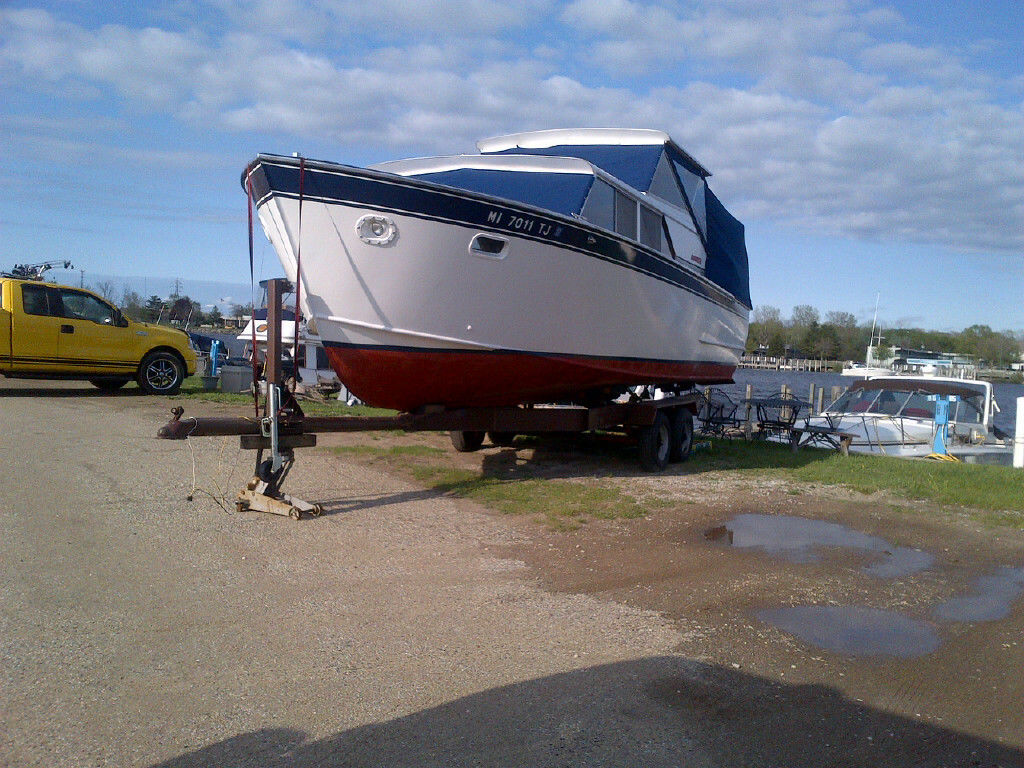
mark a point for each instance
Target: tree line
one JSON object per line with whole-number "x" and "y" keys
{"x": 174, "y": 309}
{"x": 805, "y": 334}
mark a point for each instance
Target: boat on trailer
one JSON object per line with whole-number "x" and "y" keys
{"x": 561, "y": 265}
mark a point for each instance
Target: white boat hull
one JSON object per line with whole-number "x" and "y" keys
{"x": 425, "y": 319}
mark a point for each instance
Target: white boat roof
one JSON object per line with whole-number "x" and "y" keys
{"x": 937, "y": 384}
{"x": 579, "y": 136}
{"x": 531, "y": 163}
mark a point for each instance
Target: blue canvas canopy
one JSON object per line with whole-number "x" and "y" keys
{"x": 727, "y": 250}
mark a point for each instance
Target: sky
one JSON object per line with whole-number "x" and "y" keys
{"x": 873, "y": 150}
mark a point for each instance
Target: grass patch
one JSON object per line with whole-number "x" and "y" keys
{"x": 967, "y": 485}
{"x": 561, "y": 504}
{"x": 976, "y": 486}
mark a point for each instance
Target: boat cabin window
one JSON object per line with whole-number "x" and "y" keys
{"x": 625, "y": 215}
{"x": 693, "y": 186}
{"x": 650, "y": 227}
{"x": 664, "y": 185}
{"x": 599, "y": 209}
{"x": 321, "y": 358}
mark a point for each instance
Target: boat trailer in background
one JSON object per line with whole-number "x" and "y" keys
{"x": 662, "y": 427}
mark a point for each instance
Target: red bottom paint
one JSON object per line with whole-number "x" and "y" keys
{"x": 407, "y": 379}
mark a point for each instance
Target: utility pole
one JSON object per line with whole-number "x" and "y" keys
{"x": 81, "y": 279}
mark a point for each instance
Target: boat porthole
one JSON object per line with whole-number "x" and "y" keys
{"x": 374, "y": 229}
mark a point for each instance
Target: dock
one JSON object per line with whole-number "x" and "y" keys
{"x": 770, "y": 363}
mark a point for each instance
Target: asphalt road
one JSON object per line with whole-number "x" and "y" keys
{"x": 141, "y": 629}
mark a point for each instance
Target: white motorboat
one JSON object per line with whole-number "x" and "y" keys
{"x": 895, "y": 416}
{"x": 554, "y": 265}
{"x": 862, "y": 371}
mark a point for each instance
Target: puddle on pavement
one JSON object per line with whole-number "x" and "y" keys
{"x": 855, "y": 630}
{"x": 990, "y": 601}
{"x": 798, "y": 538}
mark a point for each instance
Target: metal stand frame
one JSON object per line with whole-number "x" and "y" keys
{"x": 263, "y": 492}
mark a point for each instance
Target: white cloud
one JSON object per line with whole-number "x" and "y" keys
{"x": 805, "y": 113}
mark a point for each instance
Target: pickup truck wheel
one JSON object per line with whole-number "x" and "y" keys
{"x": 108, "y": 385}
{"x": 161, "y": 373}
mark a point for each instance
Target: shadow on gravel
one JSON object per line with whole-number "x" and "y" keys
{"x": 660, "y": 711}
{"x": 342, "y": 506}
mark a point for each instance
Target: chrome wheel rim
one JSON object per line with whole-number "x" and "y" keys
{"x": 161, "y": 374}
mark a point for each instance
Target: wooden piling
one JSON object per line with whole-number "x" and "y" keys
{"x": 748, "y": 427}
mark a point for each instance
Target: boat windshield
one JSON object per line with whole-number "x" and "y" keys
{"x": 908, "y": 404}
{"x": 854, "y": 401}
{"x": 968, "y": 411}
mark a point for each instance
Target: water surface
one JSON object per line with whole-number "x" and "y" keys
{"x": 855, "y": 629}
{"x": 991, "y": 600}
{"x": 799, "y": 539}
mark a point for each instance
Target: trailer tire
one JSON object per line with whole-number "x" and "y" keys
{"x": 682, "y": 435}
{"x": 655, "y": 442}
{"x": 466, "y": 441}
{"x": 502, "y": 439}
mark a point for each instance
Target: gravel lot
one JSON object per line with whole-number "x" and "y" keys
{"x": 405, "y": 628}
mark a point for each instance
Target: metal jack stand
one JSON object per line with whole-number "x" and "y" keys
{"x": 261, "y": 496}
{"x": 263, "y": 492}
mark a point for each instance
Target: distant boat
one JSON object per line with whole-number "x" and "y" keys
{"x": 554, "y": 265}
{"x": 314, "y": 368}
{"x": 895, "y": 416}
{"x": 862, "y": 371}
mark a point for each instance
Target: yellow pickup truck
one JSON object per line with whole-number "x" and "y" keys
{"x": 52, "y": 331}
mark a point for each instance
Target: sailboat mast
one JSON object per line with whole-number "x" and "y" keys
{"x": 871, "y": 339}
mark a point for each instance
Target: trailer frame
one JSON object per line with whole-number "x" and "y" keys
{"x": 662, "y": 427}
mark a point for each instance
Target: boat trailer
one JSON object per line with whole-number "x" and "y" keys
{"x": 663, "y": 427}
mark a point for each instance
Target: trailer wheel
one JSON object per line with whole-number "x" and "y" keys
{"x": 682, "y": 435}
{"x": 466, "y": 441}
{"x": 502, "y": 439}
{"x": 656, "y": 444}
